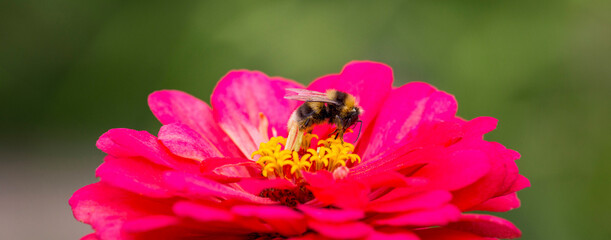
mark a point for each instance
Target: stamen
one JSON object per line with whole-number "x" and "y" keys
{"x": 330, "y": 154}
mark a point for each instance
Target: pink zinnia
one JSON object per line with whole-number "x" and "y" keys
{"x": 220, "y": 172}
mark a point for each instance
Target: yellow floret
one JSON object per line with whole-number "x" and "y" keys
{"x": 330, "y": 154}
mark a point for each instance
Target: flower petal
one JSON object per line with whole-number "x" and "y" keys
{"x": 135, "y": 175}
{"x": 122, "y": 142}
{"x": 458, "y": 170}
{"x": 210, "y": 164}
{"x": 520, "y": 183}
{"x": 369, "y": 82}
{"x": 389, "y": 179}
{"x": 349, "y": 230}
{"x": 172, "y": 106}
{"x": 201, "y": 212}
{"x": 195, "y": 186}
{"x": 331, "y": 215}
{"x": 427, "y": 144}
{"x": 424, "y": 200}
{"x": 404, "y": 109}
{"x": 486, "y": 226}
{"x": 255, "y": 186}
{"x": 503, "y": 173}
{"x": 398, "y": 234}
{"x": 107, "y": 208}
{"x": 442, "y": 233}
{"x": 499, "y": 204}
{"x": 184, "y": 142}
{"x": 240, "y": 170}
{"x": 238, "y": 99}
{"x": 424, "y": 218}
{"x": 91, "y": 236}
{"x": 480, "y": 126}
{"x": 284, "y": 220}
{"x": 212, "y": 219}
{"x": 150, "y": 223}
{"x": 348, "y": 194}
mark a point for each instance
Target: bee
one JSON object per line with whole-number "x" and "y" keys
{"x": 335, "y": 107}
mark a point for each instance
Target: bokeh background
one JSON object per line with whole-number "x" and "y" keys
{"x": 70, "y": 70}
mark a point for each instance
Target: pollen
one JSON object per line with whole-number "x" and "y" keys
{"x": 328, "y": 154}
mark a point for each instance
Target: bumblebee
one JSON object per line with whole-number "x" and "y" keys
{"x": 335, "y": 107}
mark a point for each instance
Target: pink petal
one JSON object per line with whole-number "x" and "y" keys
{"x": 349, "y": 230}
{"x": 267, "y": 212}
{"x": 135, "y": 175}
{"x": 508, "y": 157}
{"x": 172, "y": 106}
{"x": 194, "y": 186}
{"x": 399, "y": 234}
{"x": 520, "y": 183}
{"x": 282, "y": 219}
{"x": 426, "y": 145}
{"x": 238, "y": 99}
{"x": 388, "y": 179}
{"x": 369, "y": 82}
{"x": 331, "y": 215}
{"x": 184, "y": 142}
{"x": 503, "y": 173}
{"x": 212, "y": 220}
{"x": 107, "y": 208}
{"x": 499, "y": 204}
{"x": 425, "y": 200}
{"x": 121, "y": 142}
{"x": 91, "y": 236}
{"x": 480, "y": 126}
{"x": 458, "y": 170}
{"x": 400, "y": 159}
{"x": 341, "y": 193}
{"x": 150, "y": 223}
{"x": 201, "y": 212}
{"x": 429, "y": 217}
{"x": 239, "y": 170}
{"x": 442, "y": 233}
{"x": 209, "y": 164}
{"x": 309, "y": 236}
{"x": 255, "y": 186}
{"x": 404, "y": 109}
{"x": 486, "y": 226}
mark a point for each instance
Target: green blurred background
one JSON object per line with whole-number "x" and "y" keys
{"x": 70, "y": 70}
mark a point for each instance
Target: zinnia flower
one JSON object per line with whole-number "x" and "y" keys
{"x": 221, "y": 172}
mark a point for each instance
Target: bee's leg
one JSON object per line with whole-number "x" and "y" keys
{"x": 340, "y": 134}
{"x": 299, "y": 140}
{"x": 293, "y": 128}
{"x": 305, "y": 124}
{"x": 334, "y": 132}
{"x": 339, "y": 129}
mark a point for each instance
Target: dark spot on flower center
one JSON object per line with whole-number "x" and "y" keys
{"x": 288, "y": 197}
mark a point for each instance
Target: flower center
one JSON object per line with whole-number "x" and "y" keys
{"x": 329, "y": 154}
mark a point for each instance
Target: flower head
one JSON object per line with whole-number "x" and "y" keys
{"x": 223, "y": 171}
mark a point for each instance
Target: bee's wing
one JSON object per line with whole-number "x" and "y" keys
{"x": 308, "y": 96}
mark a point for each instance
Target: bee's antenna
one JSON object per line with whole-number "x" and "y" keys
{"x": 360, "y": 127}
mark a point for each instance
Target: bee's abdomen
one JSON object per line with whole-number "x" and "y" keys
{"x": 304, "y": 111}
{"x": 311, "y": 113}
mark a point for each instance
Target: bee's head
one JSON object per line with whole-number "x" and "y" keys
{"x": 353, "y": 116}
